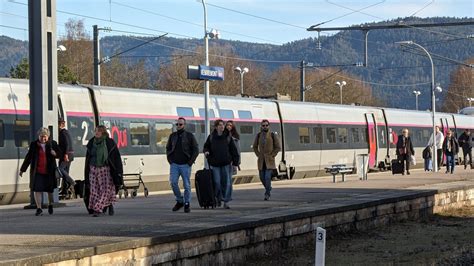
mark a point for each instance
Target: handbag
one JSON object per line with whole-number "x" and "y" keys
{"x": 412, "y": 160}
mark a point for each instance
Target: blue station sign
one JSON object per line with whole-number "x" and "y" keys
{"x": 211, "y": 72}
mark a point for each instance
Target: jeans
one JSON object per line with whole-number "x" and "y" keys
{"x": 449, "y": 162}
{"x": 68, "y": 181}
{"x": 222, "y": 176}
{"x": 183, "y": 170}
{"x": 266, "y": 179}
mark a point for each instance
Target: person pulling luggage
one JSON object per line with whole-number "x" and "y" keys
{"x": 181, "y": 151}
{"x": 221, "y": 154}
{"x": 405, "y": 150}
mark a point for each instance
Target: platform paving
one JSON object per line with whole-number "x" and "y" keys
{"x": 71, "y": 233}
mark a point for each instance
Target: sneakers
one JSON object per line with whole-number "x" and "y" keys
{"x": 96, "y": 214}
{"x": 187, "y": 208}
{"x": 177, "y": 206}
{"x": 226, "y": 206}
{"x": 111, "y": 210}
{"x": 39, "y": 212}
{"x": 267, "y": 197}
{"x": 50, "y": 209}
{"x": 408, "y": 172}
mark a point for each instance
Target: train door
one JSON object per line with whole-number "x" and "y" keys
{"x": 372, "y": 139}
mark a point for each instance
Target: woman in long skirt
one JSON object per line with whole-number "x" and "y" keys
{"x": 103, "y": 172}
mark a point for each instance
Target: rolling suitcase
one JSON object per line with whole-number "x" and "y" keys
{"x": 205, "y": 188}
{"x": 397, "y": 167}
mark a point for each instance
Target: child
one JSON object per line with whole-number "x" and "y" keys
{"x": 427, "y": 157}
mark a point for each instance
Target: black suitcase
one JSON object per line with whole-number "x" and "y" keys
{"x": 205, "y": 189}
{"x": 397, "y": 167}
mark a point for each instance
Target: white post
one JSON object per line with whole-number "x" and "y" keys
{"x": 206, "y": 82}
{"x": 319, "y": 258}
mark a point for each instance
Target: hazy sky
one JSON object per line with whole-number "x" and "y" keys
{"x": 285, "y": 20}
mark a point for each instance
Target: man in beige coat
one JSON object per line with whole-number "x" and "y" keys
{"x": 266, "y": 146}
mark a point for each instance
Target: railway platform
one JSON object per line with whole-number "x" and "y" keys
{"x": 145, "y": 231}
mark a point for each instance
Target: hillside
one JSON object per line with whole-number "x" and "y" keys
{"x": 388, "y": 64}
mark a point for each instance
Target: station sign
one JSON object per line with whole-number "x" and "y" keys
{"x": 203, "y": 72}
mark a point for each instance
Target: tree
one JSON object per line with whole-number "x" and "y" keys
{"x": 461, "y": 88}
{"x": 20, "y": 71}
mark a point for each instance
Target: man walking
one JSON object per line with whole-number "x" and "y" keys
{"x": 266, "y": 146}
{"x": 65, "y": 144}
{"x": 439, "y": 139}
{"x": 465, "y": 141}
{"x": 181, "y": 152}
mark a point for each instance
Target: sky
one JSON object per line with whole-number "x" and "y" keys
{"x": 262, "y": 21}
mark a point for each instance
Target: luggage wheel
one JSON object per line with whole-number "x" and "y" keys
{"x": 134, "y": 193}
{"x": 145, "y": 192}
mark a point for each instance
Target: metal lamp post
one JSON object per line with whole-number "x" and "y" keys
{"x": 417, "y": 93}
{"x": 242, "y": 71}
{"x": 470, "y": 100}
{"x": 206, "y": 82}
{"x": 341, "y": 84}
{"x": 433, "y": 101}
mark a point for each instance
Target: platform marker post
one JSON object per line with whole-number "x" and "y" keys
{"x": 320, "y": 254}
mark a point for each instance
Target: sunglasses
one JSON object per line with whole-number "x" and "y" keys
{"x": 179, "y": 124}
{"x": 265, "y": 125}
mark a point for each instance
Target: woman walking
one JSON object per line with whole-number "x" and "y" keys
{"x": 41, "y": 156}
{"x": 230, "y": 127}
{"x": 450, "y": 149}
{"x": 103, "y": 172}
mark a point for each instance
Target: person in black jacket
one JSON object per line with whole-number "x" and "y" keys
{"x": 465, "y": 141}
{"x": 450, "y": 149}
{"x": 405, "y": 150}
{"x": 221, "y": 154}
{"x": 103, "y": 172}
{"x": 41, "y": 157}
{"x": 181, "y": 152}
{"x": 65, "y": 143}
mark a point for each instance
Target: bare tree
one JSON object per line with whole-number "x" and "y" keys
{"x": 460, "y": 89}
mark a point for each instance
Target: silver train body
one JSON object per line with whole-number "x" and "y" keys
{"x": 313, "y": 135}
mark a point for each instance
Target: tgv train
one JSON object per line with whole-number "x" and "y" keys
{"x": 313, "y": 135}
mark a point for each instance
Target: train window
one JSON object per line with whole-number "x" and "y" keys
{"x": 330, "y": 135}
{"x": 419, "y": 136}
{"x": 22, "y": 133}
{"x": 304, "y": 135}
{"x": 185, "y": 111}
{"x": 227, "y": 114}
{"x": 191, "y": 127}
{"x": 355, "y": 135}
{"x": 342, "y": 135}
{"x": 426, "y": 135}
{"x": 139, "y": 134}
{"x": 163, "y": 131}
{"x": 2, "y": 138}
{"x": 245, "y": 114}
{"x": 363, "y": 135}
{"x": 246, "y": 130}
{"x": 202, "y": 113}
{"x": 318, "y": 134}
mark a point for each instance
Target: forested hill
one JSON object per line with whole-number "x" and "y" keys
{"x": 388, "y": 64}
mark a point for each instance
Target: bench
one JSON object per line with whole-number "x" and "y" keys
{"x": 336, "y": 169}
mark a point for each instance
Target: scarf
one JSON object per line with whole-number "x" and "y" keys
{"x": 101, "y": 150}
{"x": 449, "y": 147}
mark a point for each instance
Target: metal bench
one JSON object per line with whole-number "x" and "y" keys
{"x": 336, "y": 169}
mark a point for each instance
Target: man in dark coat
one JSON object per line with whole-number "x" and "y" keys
{"x": 465, "y": 141}
{"x": 181, "y": 152}
{"x": 405, "y": 150}
{"x": 65, "y": 143}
